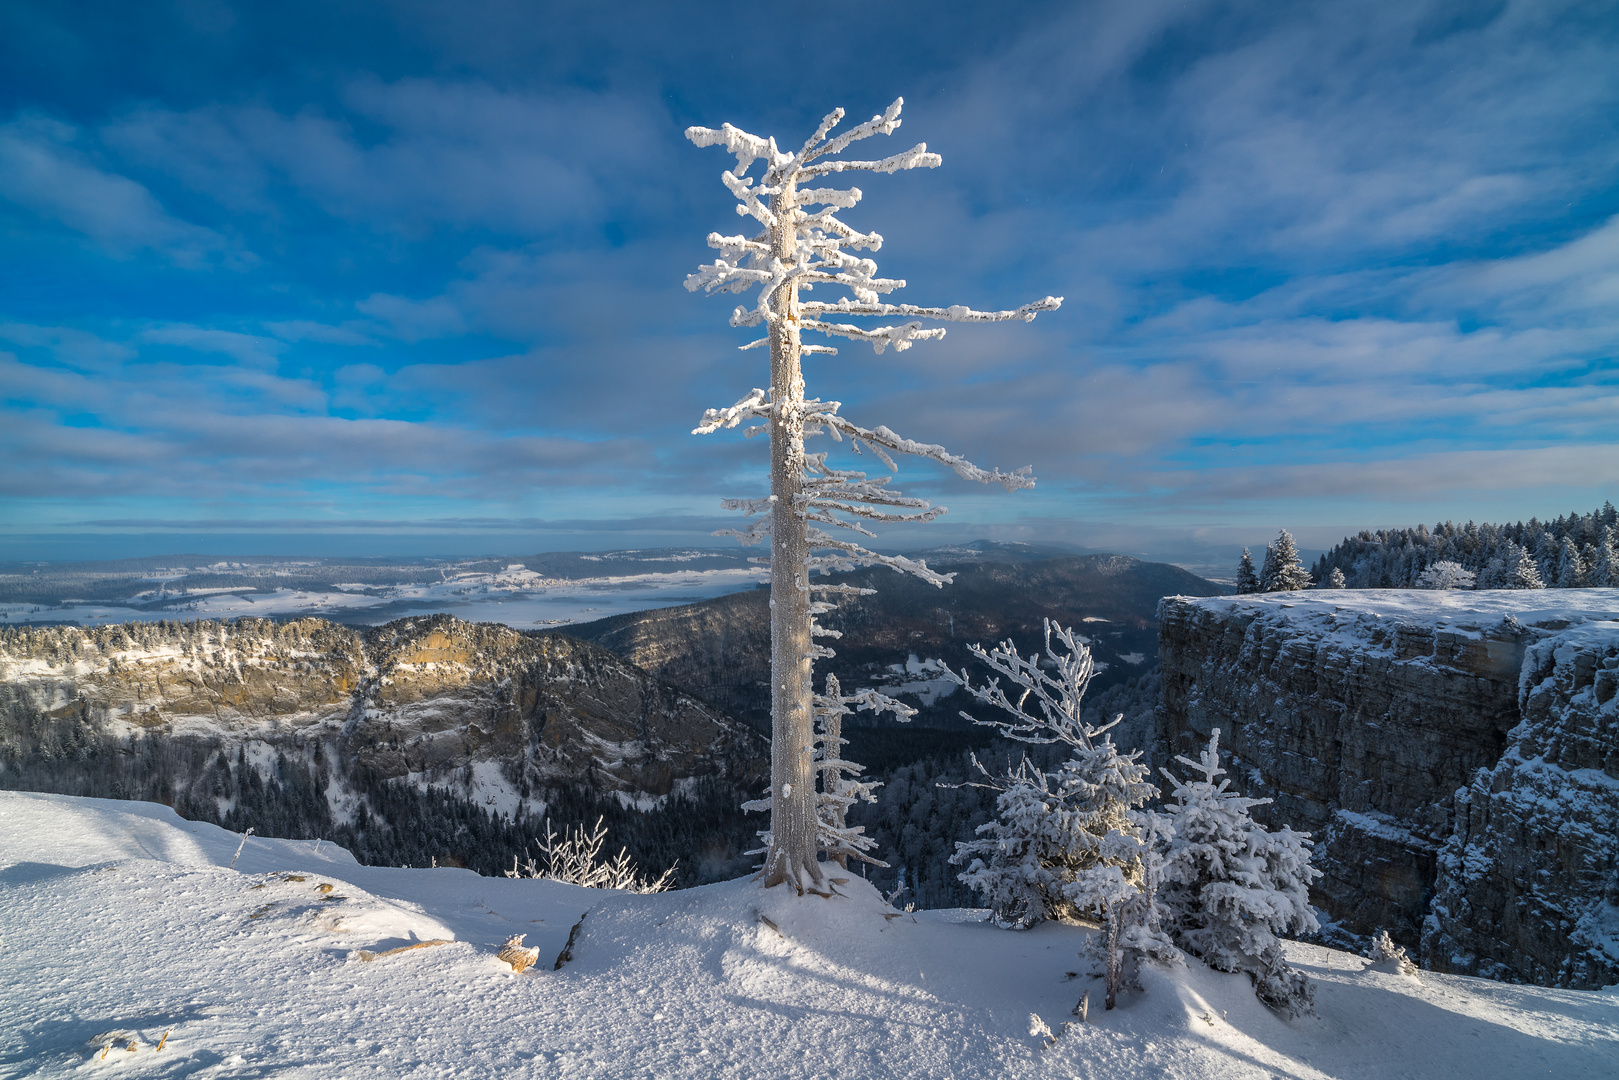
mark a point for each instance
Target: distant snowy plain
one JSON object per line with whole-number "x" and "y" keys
{"x": 516, "y": 597}
{"x": 122, "y": 926}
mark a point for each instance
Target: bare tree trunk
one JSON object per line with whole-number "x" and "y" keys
{"x": 1115, "y": 956}
{"x": 832, "y": 743}
{"x": 792, "y": 855}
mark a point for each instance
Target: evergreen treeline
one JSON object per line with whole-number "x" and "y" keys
{"x": 1575, "y": 551}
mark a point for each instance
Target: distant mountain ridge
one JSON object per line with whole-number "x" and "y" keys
{"x": 719, "y": 649}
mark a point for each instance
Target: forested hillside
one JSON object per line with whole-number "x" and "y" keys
{"x": 903, "y": 636}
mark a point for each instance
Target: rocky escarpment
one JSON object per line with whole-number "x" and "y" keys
{"x": 1363, "y": 713}
{"x": 317, "y": 725}
{"x": 1528, "y": 881}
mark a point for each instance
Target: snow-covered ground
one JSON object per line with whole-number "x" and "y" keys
{"x": 1463, "y": 606}
{"x": 516, "y": 597}
{"x": 121, "y": 924}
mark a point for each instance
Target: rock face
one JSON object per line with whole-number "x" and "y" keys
{"x": 1362, "y": 713}
{"x": 1529, "y": 880}
{"x": 435, "y": 701}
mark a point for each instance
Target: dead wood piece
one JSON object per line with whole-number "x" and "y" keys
{"x": 515, "y": 954}
{"x": 366, "y": 956}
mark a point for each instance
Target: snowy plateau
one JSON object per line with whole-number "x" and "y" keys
{"x": 130, "y": 945}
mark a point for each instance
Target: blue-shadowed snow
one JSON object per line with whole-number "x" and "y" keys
{"x": 120, "y": 922}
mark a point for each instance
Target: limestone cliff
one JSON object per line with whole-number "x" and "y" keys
{"x": 1363, "y": 713}
{"x": 488, "y": 711}
{"x": 1528, "y": 882}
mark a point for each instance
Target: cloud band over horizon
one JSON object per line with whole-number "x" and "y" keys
{"x": 1324, "y": 264}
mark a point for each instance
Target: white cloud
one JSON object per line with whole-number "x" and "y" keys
{"x": 248, "y": 349}
{"x": 41, "y": 171}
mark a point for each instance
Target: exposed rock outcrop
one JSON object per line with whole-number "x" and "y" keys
{"x": 1528, "y": 882}
{"x": 1362, "y": 713}
{"x": 490, "y": 711}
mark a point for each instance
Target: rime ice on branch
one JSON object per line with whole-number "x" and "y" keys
{"x": 802, "y": 244}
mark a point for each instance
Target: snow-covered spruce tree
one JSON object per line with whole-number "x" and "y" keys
{"x": 1517, "y": 570}
{"x": 1335, "y": 580}
{"x": 798, "y": 248}
{"x": 1284, "y": 570}
{"x": 1572, "y": 571}
{"x": 1605, "y": 564}
{"x": 1069, "y": 841}
{"x": 1446, "y": 574}
{"x": 1247, "y": 580}
{"x": 1230, "y": 886}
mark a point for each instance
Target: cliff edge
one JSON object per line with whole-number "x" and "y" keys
{"x": 1455, "y": 753}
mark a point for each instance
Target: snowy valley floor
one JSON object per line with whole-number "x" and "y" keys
{"x": 120, "y": 922}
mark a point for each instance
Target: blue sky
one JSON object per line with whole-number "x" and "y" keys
{"x": 347, "y": 278}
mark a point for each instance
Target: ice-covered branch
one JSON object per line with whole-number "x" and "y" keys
{"x": 722, "y": 276}
{"x": 1057, "y": 694}
{"x": 880, "y": 338}
{"x": 756, "y": 404}
{"x": 882, "y": 437}
{"x": 957, "y": 313}
{"x": 852, "y": 557}
{"x": 828, "y": 122}
{"x": 914, "y": 158}
{"x": 885, "y": 124}
{"x": 747, "y": 148}
{"x": 841, "y": 198}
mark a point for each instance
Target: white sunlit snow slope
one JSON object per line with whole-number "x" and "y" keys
{"x": 120, "y": 922}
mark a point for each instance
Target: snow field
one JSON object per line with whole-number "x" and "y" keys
{"x": 122, "y": 919}
{"x": 1465, "y": 607}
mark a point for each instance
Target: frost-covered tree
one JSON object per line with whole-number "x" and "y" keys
{"x": 1068, "y": 841}
{"x": 1247, "y": 580}
{"x": 1230, "y": 886}
{"x": 802, "y": 244}
{"x": 1571, "y": 568}
{"x": 1284, "y": 570}
{"x": 1605, "y": 563}
{"x": 1544, "y": 550}
{"x": 1445, "y": 574}
{"x": 1517, "y": 570}
{"x": 839, "y": 788}
{"x": 1335, "y": 580}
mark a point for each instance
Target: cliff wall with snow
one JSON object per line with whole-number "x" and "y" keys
{"x": 1456, "y": 755}
{"x": 304, "y": 727}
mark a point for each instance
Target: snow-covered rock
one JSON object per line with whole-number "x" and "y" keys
{"x": 1361, "y": 713}
{"x": 1528, "y": 884}
{"x": 183, "y": 712}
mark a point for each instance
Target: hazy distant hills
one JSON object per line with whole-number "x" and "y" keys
{"x": 719, "y": 649}
{"x": 525, "y": 592}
